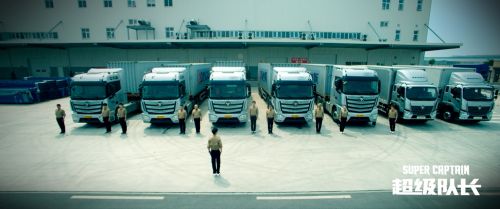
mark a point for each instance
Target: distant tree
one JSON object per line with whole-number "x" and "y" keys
{"x": 490, "y": 62}
{"x": 432, "y": 61}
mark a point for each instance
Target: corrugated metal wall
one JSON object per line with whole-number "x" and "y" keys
{"x": 133, "y": 72}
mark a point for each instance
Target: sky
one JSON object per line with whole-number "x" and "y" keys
{"x": 475, "y": 23}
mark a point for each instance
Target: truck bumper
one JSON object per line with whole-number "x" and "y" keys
{"x": 87, "y": 118}
{"x": 466, "y": 116}
{"x": 364, "y": 117}
{"x": 160, "y": 118}
{"x": 229, "y": 118}
{"x": 280, "y": 117}
{"x": 407, "y": 115}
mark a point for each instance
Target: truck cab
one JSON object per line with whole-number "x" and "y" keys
{"x": 228, "y": 95}
{"x": 409, "y": 90}
{"x": 89, "y": 91}
{"x": 289, "y": 89}
{"x": 467, "y": 97}
{"x": 357, "y": 88}
{"x": 166, "y": 89}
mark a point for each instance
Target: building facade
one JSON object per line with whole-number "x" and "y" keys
{"x": 56, "y": 37}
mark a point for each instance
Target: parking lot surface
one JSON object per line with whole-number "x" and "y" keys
{"x": 35, "y": 157}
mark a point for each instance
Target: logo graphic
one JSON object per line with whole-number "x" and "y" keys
{"x": 361, "y": 99}
{"x": 228, "y": 103}
{"x": 295, "y": 103}
{"x": 436, "y": 180}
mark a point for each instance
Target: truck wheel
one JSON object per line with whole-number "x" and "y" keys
{"x": 335, "y": 119}
{"x": 447, "y": 115}
{"x": 374, "y": 123}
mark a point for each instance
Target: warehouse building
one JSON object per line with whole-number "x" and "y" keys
{"x": 62, "y": 37}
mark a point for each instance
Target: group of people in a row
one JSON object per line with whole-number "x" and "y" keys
{"x": 121, "y": 114}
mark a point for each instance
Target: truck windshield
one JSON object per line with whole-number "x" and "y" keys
{"x": 294, "y": 91}
{"x": 360, "y": 87}
{"x": 228, "y": 91}
{"x": 160, "y": 91}
{"x": 421, "y": 93}
{"x": 88, "y": 91}
{"x": 478, "y": 94}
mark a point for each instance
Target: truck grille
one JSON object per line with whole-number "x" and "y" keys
{"x": 421, "y": 110}
{"x": 86, "y": 107}
{"x": 159, "y": 108}
{"x": 226, "y": 107}
{"x": 290, "y": 107}
{"x": 478, "y": 111}
{"x": 360, "y": 104}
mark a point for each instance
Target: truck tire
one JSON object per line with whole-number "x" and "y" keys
{"x": 374, "y": 123}
{"x": 447, "y": 114}
{"x": 333, "y": 114}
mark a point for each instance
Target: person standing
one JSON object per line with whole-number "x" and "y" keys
{"x": 182, "y": 119}
{"x": 196, "y": 118}
{"x": 105, "y": 117}
{"x": 122, "y": 117}
{"x": 254, "y": 112}
{"x": 343, "y": 118}
{"x": 60, "y": 115}
{"x": 270, "y": 119}
{"x": 214, "y": 147}
{"x": 319, "y": 113}
{"x": 393, "y": 116}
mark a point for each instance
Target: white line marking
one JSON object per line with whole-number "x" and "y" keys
{"x": 103, "y": 197}
{"x": 303, "y": 197}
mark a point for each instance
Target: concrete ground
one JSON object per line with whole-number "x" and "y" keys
{"x": 34, "y": 157}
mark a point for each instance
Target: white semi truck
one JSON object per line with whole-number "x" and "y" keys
{"x": 89, "y": 91}
{"x": 355, "y": 87}
{"x": 229, "y": 94}
{"x": 409, "y": 90}
{"x": 463, "y": 93}
{"x": 166, "y": 89}
{"x": 289, "y": 89}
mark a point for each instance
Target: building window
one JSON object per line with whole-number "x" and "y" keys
{"x": 169, "y": 32}
{"x": 401, "y": 5}
{"x": 415, "y": 35}
{"x": 110, "y": 33}
{"x": 108, "y": 3}
{"x": 131, "y": 3}
{"x": 132, "y": 21}
{"x": 85, "y": 33}
{"x": 151, "y": 3}
{"x": 398, "y": 35}
{"x": 385, "y": 4}
{"x": 82, "y": 3}
{"x": 419, "y": 5}
{"x": 168, "y": 3}
{"x": 49, "y": 4}
{"x": 384, "y": 23}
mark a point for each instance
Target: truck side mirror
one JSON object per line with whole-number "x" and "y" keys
{"x": 401, "y": 91}
{"x": 496, "y": 94}
{"x": 140, "y": 90}
{"x": 379, "y": 86}
{"x": 339, "y": 85}
{"x": 314, "y": 89}
{"x": 249, "y": 91}
{"x": 455, "y": 92}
